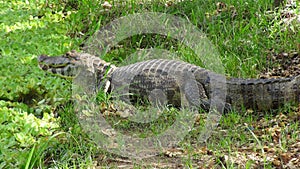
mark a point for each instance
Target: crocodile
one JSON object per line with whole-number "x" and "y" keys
{"x": 157, "y": 76}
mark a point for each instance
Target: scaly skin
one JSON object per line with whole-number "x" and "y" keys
{"x": 155, "y": 77}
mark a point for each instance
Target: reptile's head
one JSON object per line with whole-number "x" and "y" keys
{"x": 64, "y": 65}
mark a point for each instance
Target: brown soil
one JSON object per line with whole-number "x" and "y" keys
{"x": 282, "y": 65}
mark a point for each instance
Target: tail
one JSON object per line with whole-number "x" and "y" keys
{"x": 263, "y": 94}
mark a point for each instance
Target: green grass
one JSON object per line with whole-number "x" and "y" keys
{"x": 34, "y": 103}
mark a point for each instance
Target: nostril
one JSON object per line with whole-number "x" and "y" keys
{"x": 41, "y": 58}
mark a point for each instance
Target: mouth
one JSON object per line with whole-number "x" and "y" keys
{"x": 60, "y": 65}
{"x": 47, "y": 62}
{"x": 53, "y": 66}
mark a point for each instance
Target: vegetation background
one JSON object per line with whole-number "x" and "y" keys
{"x": 37, "y": 123}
